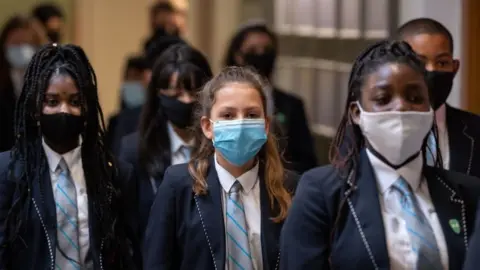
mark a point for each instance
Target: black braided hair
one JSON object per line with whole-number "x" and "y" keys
{"x": 99, "y": 166}
{"x": 348, "y": 141}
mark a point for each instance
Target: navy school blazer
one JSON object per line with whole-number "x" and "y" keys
{"x": 35, "y": 246}
{"x": 359, "y": 239}
{"x": 473, "y": 259}
{"x": 187, "y": 232}
{"x": 146, "y": 194}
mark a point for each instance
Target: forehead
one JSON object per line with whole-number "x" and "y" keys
{"x": 237, "y": 95}
{"x": 429, "y": 44}
{"x": 20, "y": 35}
{"x": 61, "y": 84}
{"x": 394, "y": 73}
{"x": 256, "y": 38}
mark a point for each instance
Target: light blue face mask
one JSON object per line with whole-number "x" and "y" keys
{"x": 20, "y": 55}
{"x": 239, "y": 140}
{"x": 133, "y": 94}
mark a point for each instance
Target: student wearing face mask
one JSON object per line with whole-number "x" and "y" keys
{"x": 164, "y": 137}
{"x": 458, "y": 129}
{"x": 379, "y": 206}
{"x": 128, "y": 119}
{"x": 52, "y": 19}
{"x": 255, "y": 45}
{"x": 66, "y": 202}
{"x": 132, "y": 92}
{"x": 17, "y": 46}
{"x": 225, "y": 209}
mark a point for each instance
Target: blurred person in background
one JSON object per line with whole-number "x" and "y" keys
{"x": 457, "y": 129}
{"x": 127, "y": 121}
{"x": 255, "y": 45}
{"x": 19, "y": 39}
{"x": 163, "y": 22}
{"x": 132, "y": 92}
{"x": 52, "y": 19}
{"x": 164, "y": 137}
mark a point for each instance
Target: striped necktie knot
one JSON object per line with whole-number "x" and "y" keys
{"x": 236, "y": 188}
{"x": 63, "y": 167}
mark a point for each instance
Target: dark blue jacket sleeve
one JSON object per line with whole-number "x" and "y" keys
{"x": 305, "y": 234}
{"x": 159, "y": 242}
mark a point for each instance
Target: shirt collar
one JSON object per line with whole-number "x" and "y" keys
{"x": 386, "y": 175}
{"x": 72, "y": 157}
{"x": 175, "y": 141}
{"x": 247, "y": 180}
{"x": 441, "y": 116}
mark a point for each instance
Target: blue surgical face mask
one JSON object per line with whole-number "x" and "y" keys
{"x": 239, "y": 140}
{"x": 20, "y": 55}
{"x": 133, "y": 94}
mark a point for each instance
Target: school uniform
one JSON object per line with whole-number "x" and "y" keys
{"x": 295, "y": 138}
{"x": 473, "y": 259}
{"x": 459, "y": 132}
{"x": 178, "y": 153}
{"x": 369, "y": 233}
{"x": 186, "y": 231}
{"x": 37, "y": 246}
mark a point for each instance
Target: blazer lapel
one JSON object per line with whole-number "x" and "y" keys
{"x": 450, "y": 209}
{"x": 365, "y": 207}
{"x": 210, "y": 209}
{"x": 269, "y": 229}
{"x": 44, "y": 202}
{"x": 460, "y": 142}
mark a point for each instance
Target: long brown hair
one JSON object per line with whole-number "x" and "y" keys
{"x": 269, "y": 155}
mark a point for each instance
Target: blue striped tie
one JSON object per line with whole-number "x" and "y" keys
{"x": 239, "y": 257}
{"x": 67, "y": 251}
{"x": 431, "y": 149}
{"x": 422, "y": 237}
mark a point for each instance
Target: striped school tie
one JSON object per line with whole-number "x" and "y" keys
{"x": 421, "y": 234}
{"x": 67, "y": 251}
{"x": 431, "y": 149}
{"x": 239, "y": 257}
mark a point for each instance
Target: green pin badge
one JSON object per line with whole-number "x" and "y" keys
{"x": 280, "y": 117}
{"x": 455, "y": 225}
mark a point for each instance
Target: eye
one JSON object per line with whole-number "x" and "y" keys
{"x": 76, "y": 102}
{"x": 382, "y": 99}
{"x": 226, "y": 116}
{"x": 253, "y": 115}
{"x": 51, "y": 102}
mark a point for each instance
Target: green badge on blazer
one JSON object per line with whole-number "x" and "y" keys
{"x": 455, "y": 225}
{"x": 280, "y": 117}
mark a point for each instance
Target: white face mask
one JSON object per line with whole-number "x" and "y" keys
{"x": 395, "y": 135}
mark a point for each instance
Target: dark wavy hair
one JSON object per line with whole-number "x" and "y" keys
{"x": 193, "y": 72}
{"x": 349, "y": 140}
{"x": 99, "y": 166}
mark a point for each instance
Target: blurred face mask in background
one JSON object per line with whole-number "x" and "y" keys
{"x": 20, "y": 55}
{"x": 133, "y": 94}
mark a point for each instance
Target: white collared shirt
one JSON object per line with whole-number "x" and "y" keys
{"x": 250, "y": 195}
{"x": 73, "y": 159}
{"x": 176, "y": 147}
{"x": 180, "y": 150}
{"x": 397, "y": 237}
{"x": 440, "y": 116}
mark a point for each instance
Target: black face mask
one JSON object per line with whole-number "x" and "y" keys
{"x": 262, "y": 62}
{"x": 54, "y": 36}
{"x": 60, "y": 128}
{"x": 440, "y": 85}
{"x": 177, "y": 112}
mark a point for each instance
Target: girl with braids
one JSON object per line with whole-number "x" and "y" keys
{"x": 379, "y": 206}
{"x": 225, "y": 208}
{"x": 65, "y": 202}
{"x": 164, "y": 137}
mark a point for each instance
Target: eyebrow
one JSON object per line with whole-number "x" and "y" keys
{"x": 444, "y": 54}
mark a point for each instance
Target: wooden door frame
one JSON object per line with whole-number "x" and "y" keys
{"x": 471, "y": 56}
